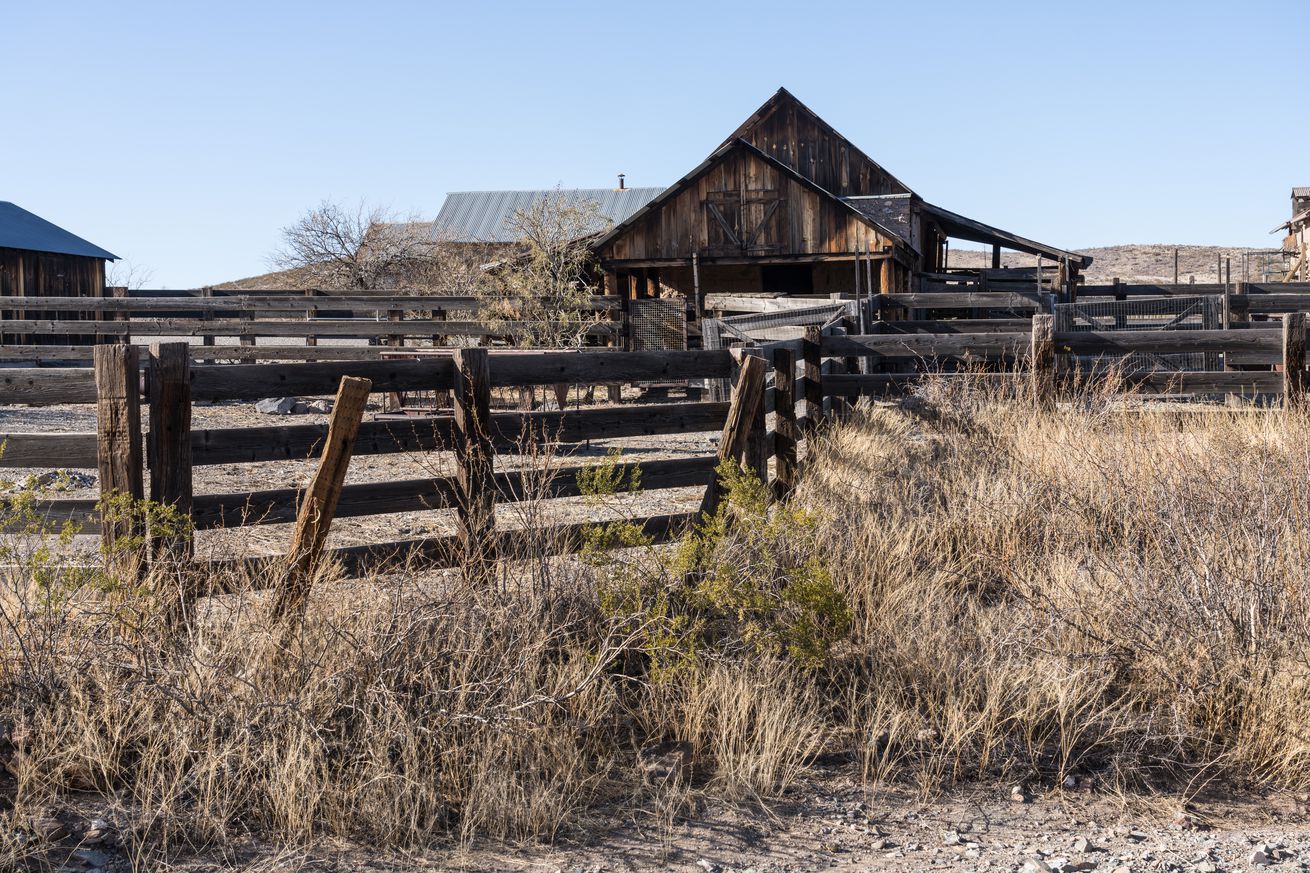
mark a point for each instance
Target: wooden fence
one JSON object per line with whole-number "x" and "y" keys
{"x": 807, "y": 373}
{"x": 65, "y": 328}
{"x": 167, "y": 383}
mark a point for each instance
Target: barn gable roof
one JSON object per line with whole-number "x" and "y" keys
{"x": 20, "y": 229}
{"x": 784, "y": 101}
{"x": 706, "y": 165}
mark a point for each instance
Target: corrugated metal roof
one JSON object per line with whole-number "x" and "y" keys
{"x": 20, "y": 229}
{"x": 485, "y": 216}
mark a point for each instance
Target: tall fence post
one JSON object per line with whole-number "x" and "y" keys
{"x": 207, "y": 314}
{"x": 1294, "y": 361}
{"x": 756, "y": 458}
{"x": 785, "y": 432}
{"x": 168, "y": 445}
{"x": 118, "y": 454}
{"x": 747, "y": 396}
{"x": 319, "y": 504}
{"x": 1042, "y": 359}
{"x": 477, "y": 493}
{"x": 812, "y": 368}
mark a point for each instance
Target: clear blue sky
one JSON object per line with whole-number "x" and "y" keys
{"x": 182, "y": 135}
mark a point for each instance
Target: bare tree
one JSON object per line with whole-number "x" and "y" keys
{"x": 543, "y": 294}
{"x": 366, "y": 247}
{"x": 127, "y": 274}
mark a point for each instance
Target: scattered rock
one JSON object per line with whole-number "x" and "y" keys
{"x": 92, "y": 857}
{"x": 320, "y": 406}
{"x": 1136, "y": 836}
{"x": 1185, "y": 821}
{"x": 1205, "y": 867}
{"x": 1019, "y": 794}
{"x": 951, "y": 839}
{"x": 666, "y": 761}
{"x": 1035, "y": 865}
{"x": 1070, "y": 782}
{"x": 277, "y": 405}
{"x": 97, "y": 832}
{"x": 49, "y": 827}
{"x": 1260, "y": 858}
{"x": 707, "y": 866}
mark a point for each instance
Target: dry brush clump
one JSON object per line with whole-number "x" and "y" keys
{"x": 963, "y": 588}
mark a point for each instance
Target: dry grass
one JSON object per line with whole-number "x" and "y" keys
{"x": 1118, "y": 596}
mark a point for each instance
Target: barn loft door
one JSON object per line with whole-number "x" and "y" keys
{"x": 744, "y": 223}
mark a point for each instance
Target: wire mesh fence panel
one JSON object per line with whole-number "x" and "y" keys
{"x": 657, "y": 325}
{"x": 1147, "y": 313}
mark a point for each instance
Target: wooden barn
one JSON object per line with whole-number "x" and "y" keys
{"x": 787, "y": 204}
{"x": 40, "y": 259}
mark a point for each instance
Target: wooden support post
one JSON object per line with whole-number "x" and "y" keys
{"x": 747, "y": 396}
{"x": 168, "y": 445}
{"x": 785, "y": 432}
{"x": 1294, "y": 376}
{"x": 310, "y": 339}
{"x": 121, "y": 293}
{"x": 1043, "y": 360}
{"x": 395, "y": 399}
{"x": 319, "y": 503}
{"x": 118, "y": 455}
{"x": 757, "y": 442}
{"x": 476, "y": 508}
{"x": 208, "y": 315}
{"x": 813, "y": 376}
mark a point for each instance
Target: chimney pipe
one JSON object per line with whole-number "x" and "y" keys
{"x": 621, "y": 188}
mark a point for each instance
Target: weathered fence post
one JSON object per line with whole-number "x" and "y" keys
{"x": 168, "y": 445}
{"x": 785, "y": 432}
{"x": 477, "y": 493}
{"x": 812, "y": 356}
{"x": 756, "y": 458}
{"x": 1042, "y": 359}
{"x": 1294, "y": 361}
{"x": 118, "y": 454}
{"x": 319, "y": 504}
{"x": 207, "y": 293}
{"x": 747, "y": 397}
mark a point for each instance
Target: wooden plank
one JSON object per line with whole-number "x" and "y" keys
{"x": 323, "y": 327}
{"x": 290, "y": 303}
{"x": 747, "y": 396}
{"x": 64, "y": 450}
{"x": 1166, "y": 341}
{"x": 40, "y": 386}
{"x": 168, "y": 447}
{"x": 812, "y": 393}
{"x": 508, "y": 429}
{"x": 927, "y": 345}
{"x": 1208, "y": 383}
{"x": 785, "y": 432}
{"x": 476, "y": 512}
{"x": 319, "y": 506}
{"x": 118, "y": 454}
{"x": 254, "y": 381}
{"x": 278, "y": 505}
{"x": 959, "y": 325}
{"x": 980, "y": 300}
{"x": 442, "y": 552}
{"x": 1041, "y": 359}
{"x": 1294, "y": 376}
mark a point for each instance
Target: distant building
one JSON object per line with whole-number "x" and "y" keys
{"x": 40, "y": 259}
{"x": 487, "y": 217}
{"x": 1296, "y": 245}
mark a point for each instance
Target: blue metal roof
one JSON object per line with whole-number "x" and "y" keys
{"x": 486, "y": 216}
{"x": 20, "y": 229}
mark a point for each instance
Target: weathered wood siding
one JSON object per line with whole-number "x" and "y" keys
{"x": 790, "y": 133}
{"x": 743, "y": 206}
{"x": 44, "y": 274}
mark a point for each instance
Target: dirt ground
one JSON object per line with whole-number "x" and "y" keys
{"x": 828, "y": 822}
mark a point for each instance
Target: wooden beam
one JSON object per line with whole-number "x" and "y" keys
{"x": 476, "y": 513}
{"x": 785, "y": 432}
{"x": 319, "y": 506}
{"x": 168, "y": 446}
{"x": 1042, "y": 359}
{"x": 1294, "y": 375}
{"x": 747, "y": 397}
{"x": 118, "y": 456}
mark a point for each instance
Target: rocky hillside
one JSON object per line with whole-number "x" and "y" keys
{"x": 1151, "y": 263}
